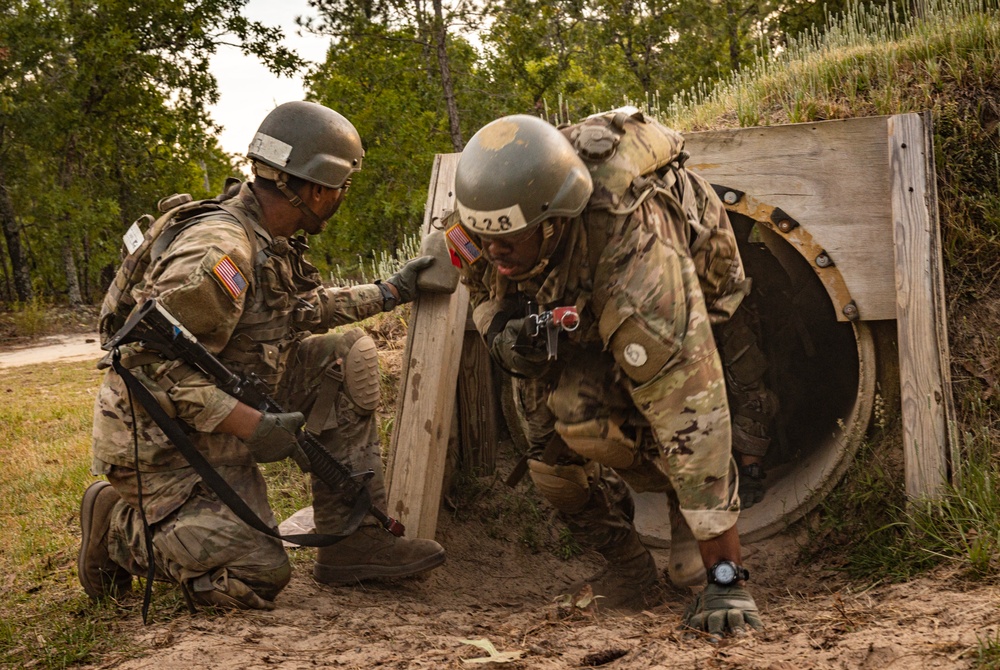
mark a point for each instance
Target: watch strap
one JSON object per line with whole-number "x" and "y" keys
{"x": 389, "y": 300}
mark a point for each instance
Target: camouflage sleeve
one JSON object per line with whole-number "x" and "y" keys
{"x": 202, "y": 279}
{"x": 348, "y": 305}
{"x": 656, "y": 325}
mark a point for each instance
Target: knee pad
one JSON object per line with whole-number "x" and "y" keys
{"x": 566, "y": 487}
{"x": 361, "y": 373}
{"x": 600, "y": 440}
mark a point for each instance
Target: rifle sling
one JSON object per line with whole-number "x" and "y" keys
{"x": 173, "y": 430}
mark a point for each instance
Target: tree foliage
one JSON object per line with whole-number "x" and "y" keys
{"x": 103, "y": 102}
{"x": 103, "y": 110}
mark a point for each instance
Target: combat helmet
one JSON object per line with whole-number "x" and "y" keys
{"x": 516, "y": 173}
{"x": 309, "y": 141}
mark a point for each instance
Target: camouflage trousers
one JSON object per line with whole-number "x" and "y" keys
{"x": 699, "y": 481}
{"x": 197, "y": 540}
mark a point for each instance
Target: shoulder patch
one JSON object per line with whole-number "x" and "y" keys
{"x": 230, "y": 277}
{"x": 463, "y": 244}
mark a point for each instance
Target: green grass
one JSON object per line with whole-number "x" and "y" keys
{"x": 890, "y": 538}
{"x": 45, "y": 422}
{"x": 988, "y": 653}
{"x": 46, "y": 621}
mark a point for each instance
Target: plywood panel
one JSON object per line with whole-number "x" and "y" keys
{"x": 832, "y": 177}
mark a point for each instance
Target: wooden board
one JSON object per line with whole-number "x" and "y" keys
{"x": 477, "y": 404}
{"x": 922, "y": 333}
{"x": 426, "y": 404}
{"x": 832, "y": 177}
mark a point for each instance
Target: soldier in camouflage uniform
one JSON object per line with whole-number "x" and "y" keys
{"x": 234, "y": 273}
{"x": 603, "y": 217}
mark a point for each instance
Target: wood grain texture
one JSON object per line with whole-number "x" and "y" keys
{"x": 832, "y": 177}
{"x": 477, "y": 408}
{"x": 426, "y": 403}
{"x": 921, "y": 329}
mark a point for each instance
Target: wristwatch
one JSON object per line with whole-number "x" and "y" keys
{"x": 727, "y": 573}
{"x": 388, "y": 299}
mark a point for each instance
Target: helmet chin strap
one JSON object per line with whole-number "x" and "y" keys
{"x": 552, "y": 230}
{"x": 279, "y": 178}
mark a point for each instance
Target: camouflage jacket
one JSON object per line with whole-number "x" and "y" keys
{"x": 250, "y": 309}
{"x": 629, "y": 264}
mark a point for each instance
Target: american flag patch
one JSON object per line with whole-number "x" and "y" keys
{"x": 463, "y": 244}
{"x": 230, "y": 276}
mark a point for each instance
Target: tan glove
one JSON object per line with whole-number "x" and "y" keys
{"x": 720, "y": 610}
{"x": 405, "y": 280}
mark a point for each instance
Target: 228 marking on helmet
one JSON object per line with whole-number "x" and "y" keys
{"x": 230, "y": 277}
{"x": 463, "y": 244}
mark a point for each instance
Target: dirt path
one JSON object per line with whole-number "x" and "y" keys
{"x": 51, "y": 349}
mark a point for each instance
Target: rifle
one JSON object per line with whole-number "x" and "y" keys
{"x": 156, "y": 328}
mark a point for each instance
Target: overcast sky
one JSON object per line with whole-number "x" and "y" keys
{"x": 248, "y": 91}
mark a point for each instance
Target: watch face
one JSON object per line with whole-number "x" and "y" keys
{"x": 725, "y": 573}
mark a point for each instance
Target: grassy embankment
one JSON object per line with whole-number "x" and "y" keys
{"x": 946, "y": 62}
{"x": 949, "y": 64}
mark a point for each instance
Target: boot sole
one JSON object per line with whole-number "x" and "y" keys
{"x": 351, "y": 574}
{"x": 96, "y": 592}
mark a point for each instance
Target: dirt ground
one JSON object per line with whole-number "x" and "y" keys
{"x": 494, "y": 588}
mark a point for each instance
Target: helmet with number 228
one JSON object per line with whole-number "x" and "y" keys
{"x": 517, "y": 172}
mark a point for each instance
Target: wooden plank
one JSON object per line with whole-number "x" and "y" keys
{"x": 477, "y": 404}
{"x": 923, "y": 342}
{"x": 832, "y": 177}
{"x": 425, "y": 407}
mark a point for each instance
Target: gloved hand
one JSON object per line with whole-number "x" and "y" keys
{"x": 517, "y": 354}
{"x": 274, "y": 438}
{"x": 405, "y": 280}
{"x": 719, "y": 610}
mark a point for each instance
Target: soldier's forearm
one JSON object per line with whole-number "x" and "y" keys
{"x": 241, "y": 422}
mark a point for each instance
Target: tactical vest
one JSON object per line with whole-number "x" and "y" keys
{"x": 177, "y": 213}
{"x": 632, "y": 159}
{"x": 281, "y": 305}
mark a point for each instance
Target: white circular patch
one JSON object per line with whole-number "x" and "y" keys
{"x": 635, "y": 355}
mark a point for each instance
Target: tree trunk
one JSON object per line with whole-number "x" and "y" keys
{"x": 440, "y": 38}
{"x": 733, "y": 30}
{"x": 72, "y": 280}
{"x": 12, "y": 235}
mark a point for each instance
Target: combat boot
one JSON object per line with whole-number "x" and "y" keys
{"x": 372, "y": 553}
{"x": 99, "y": 575}
{"x": 629, "y": 580}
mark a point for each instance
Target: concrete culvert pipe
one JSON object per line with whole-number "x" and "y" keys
{"x": 824, "y": 372}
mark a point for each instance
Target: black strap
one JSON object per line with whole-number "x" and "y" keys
{"x": 147, "y": 532}
{"x": 172, "y": 429}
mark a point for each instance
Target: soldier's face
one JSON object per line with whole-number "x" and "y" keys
{"x": 517, "y": 254}
{"x": 328, "y": 202}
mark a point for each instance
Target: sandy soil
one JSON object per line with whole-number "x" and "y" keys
{"x": 494, "y": 588}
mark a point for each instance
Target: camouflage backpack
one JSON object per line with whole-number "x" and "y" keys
{"x": 177, "y": 213}
{"x": 633, "y": 158}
